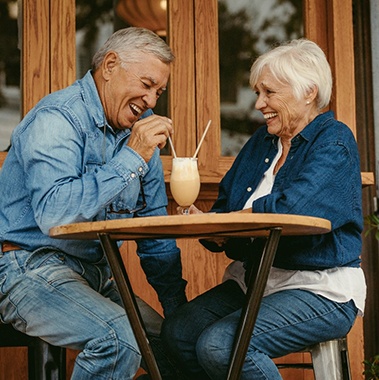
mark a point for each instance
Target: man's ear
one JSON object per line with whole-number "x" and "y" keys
{"x": 109, "y": 64}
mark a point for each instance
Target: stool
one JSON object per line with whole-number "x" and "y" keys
{"x": 330, "y": 360}
{"x": 45, "y": 362}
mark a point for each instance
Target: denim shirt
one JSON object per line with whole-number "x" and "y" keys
{"x": 320, "y": 177}
{"x": 67, "y": 165}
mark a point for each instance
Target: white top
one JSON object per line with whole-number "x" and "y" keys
{"x": 340, "y": 284}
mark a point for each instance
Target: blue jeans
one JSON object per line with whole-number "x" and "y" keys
{"x": 73, "y": 304}
{"x": 200, "y": 334}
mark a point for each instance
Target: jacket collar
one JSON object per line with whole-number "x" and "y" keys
{"x": 310, "y": 131}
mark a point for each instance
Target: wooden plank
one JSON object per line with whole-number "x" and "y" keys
{"x": 341, "y": 56}
{"x": 339, "y": 51}
{"x": 313, "y": 12}
{"x": 182, "y": 83}
{"x": 207, "y": 80}
{"x": 35, "y": 52}
{"x": 368, "y": 179}
{"x": 62, "y": 44}
{"x": 212, "y": 165}
{"x": 356, "y": 349}
{"x": 2, "y": 158}
{"x": 44, "y": 23}
{"x": 14, "y": 363}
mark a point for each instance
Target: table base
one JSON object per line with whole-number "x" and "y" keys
{"x": 256, "y": 285}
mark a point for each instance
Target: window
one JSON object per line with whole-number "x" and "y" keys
{"x": 9, "y": 72}
{"x": 247, "y": 28}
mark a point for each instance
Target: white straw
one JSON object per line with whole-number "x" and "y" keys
{"x": 202, "y": 138}
{"x": 172, "y": 146}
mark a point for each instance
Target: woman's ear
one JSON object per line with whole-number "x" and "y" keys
{"x": 312, "y": 94}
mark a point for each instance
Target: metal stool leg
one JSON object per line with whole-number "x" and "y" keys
{"x": 346, "y": 373}
{"x": 330, "y": 360}
{"x": 49, "y": 361}
{"x": 253, "y": 301}
{"x": 32, "y": 371}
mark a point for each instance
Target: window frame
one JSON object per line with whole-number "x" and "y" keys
{"x": 194, "y": 85}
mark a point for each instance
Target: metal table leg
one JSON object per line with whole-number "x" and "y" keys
{"x": 250, "y": 310}
{"x": 127, "y": 296}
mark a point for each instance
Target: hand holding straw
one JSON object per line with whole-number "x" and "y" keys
{"x": 172, "y": 146}
{"x": 202, "y": 138}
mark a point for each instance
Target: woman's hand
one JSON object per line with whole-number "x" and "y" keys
{"x": 213, "y": 243}
{"x": 192, "y": 210}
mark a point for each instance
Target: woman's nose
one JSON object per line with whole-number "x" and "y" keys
{"x": 260, "y": 102}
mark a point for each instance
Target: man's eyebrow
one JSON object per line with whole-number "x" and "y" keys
{"x": 152, "y": 80}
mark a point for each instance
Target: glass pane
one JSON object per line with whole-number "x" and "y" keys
{"x": 96, "y": 20}
{"x": 247, "y": 28}
{"x": 9, "y": 72}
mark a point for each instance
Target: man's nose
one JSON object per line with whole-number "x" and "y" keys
{"x": 150, "y": 99}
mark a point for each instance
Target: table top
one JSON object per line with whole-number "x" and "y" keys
{"x": 204, "y": 225}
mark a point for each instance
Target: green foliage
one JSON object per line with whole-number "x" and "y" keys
{"x": 372, "y": 368}
{"x": 372, "y": 221}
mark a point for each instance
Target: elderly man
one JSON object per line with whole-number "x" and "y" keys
{"x": 88, "y": 152}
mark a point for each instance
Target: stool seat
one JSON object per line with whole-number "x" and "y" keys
{"x": 45, "y": 362}
{"x": 330, "y": 360}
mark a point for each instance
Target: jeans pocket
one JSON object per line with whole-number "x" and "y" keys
{"x": 42, "y": 256}
{"x": 3, "y": 278}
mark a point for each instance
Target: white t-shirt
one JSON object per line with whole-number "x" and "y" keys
{"x": 340, "y": 284}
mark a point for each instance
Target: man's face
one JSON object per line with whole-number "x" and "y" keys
{"x": 130, "y": 89}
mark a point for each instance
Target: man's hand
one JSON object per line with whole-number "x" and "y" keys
{"x": 149, "y": 133}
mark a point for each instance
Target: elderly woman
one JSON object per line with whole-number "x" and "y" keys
{"x": 303, "y": 161}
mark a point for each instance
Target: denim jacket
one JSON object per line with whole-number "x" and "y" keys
{"x": 67, "y": 165}
{"x": 321, "y": 177}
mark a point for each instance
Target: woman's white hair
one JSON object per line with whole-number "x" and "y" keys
{"x": 129, "y": 43}
{"x": 300, "y": 63}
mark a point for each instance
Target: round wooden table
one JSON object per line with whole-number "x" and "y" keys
{"x": 207, "y": 225}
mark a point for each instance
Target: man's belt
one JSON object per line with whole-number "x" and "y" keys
{"x": 7, "y": 246}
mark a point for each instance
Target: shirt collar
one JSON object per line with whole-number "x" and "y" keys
{"x": 309, "y": 132}
{"x": 92, "y": 99}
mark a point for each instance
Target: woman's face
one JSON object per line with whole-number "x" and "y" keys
{"x": 285, "y": 115}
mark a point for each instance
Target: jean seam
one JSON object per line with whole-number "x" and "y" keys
{"x": 299, "y": 322}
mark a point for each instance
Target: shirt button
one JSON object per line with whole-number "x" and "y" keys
{"x": 249, "y": 189}
{"x": 267, "y": 160}
{"x": 133, "y": 175}
{"x": 140, "y": 169}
